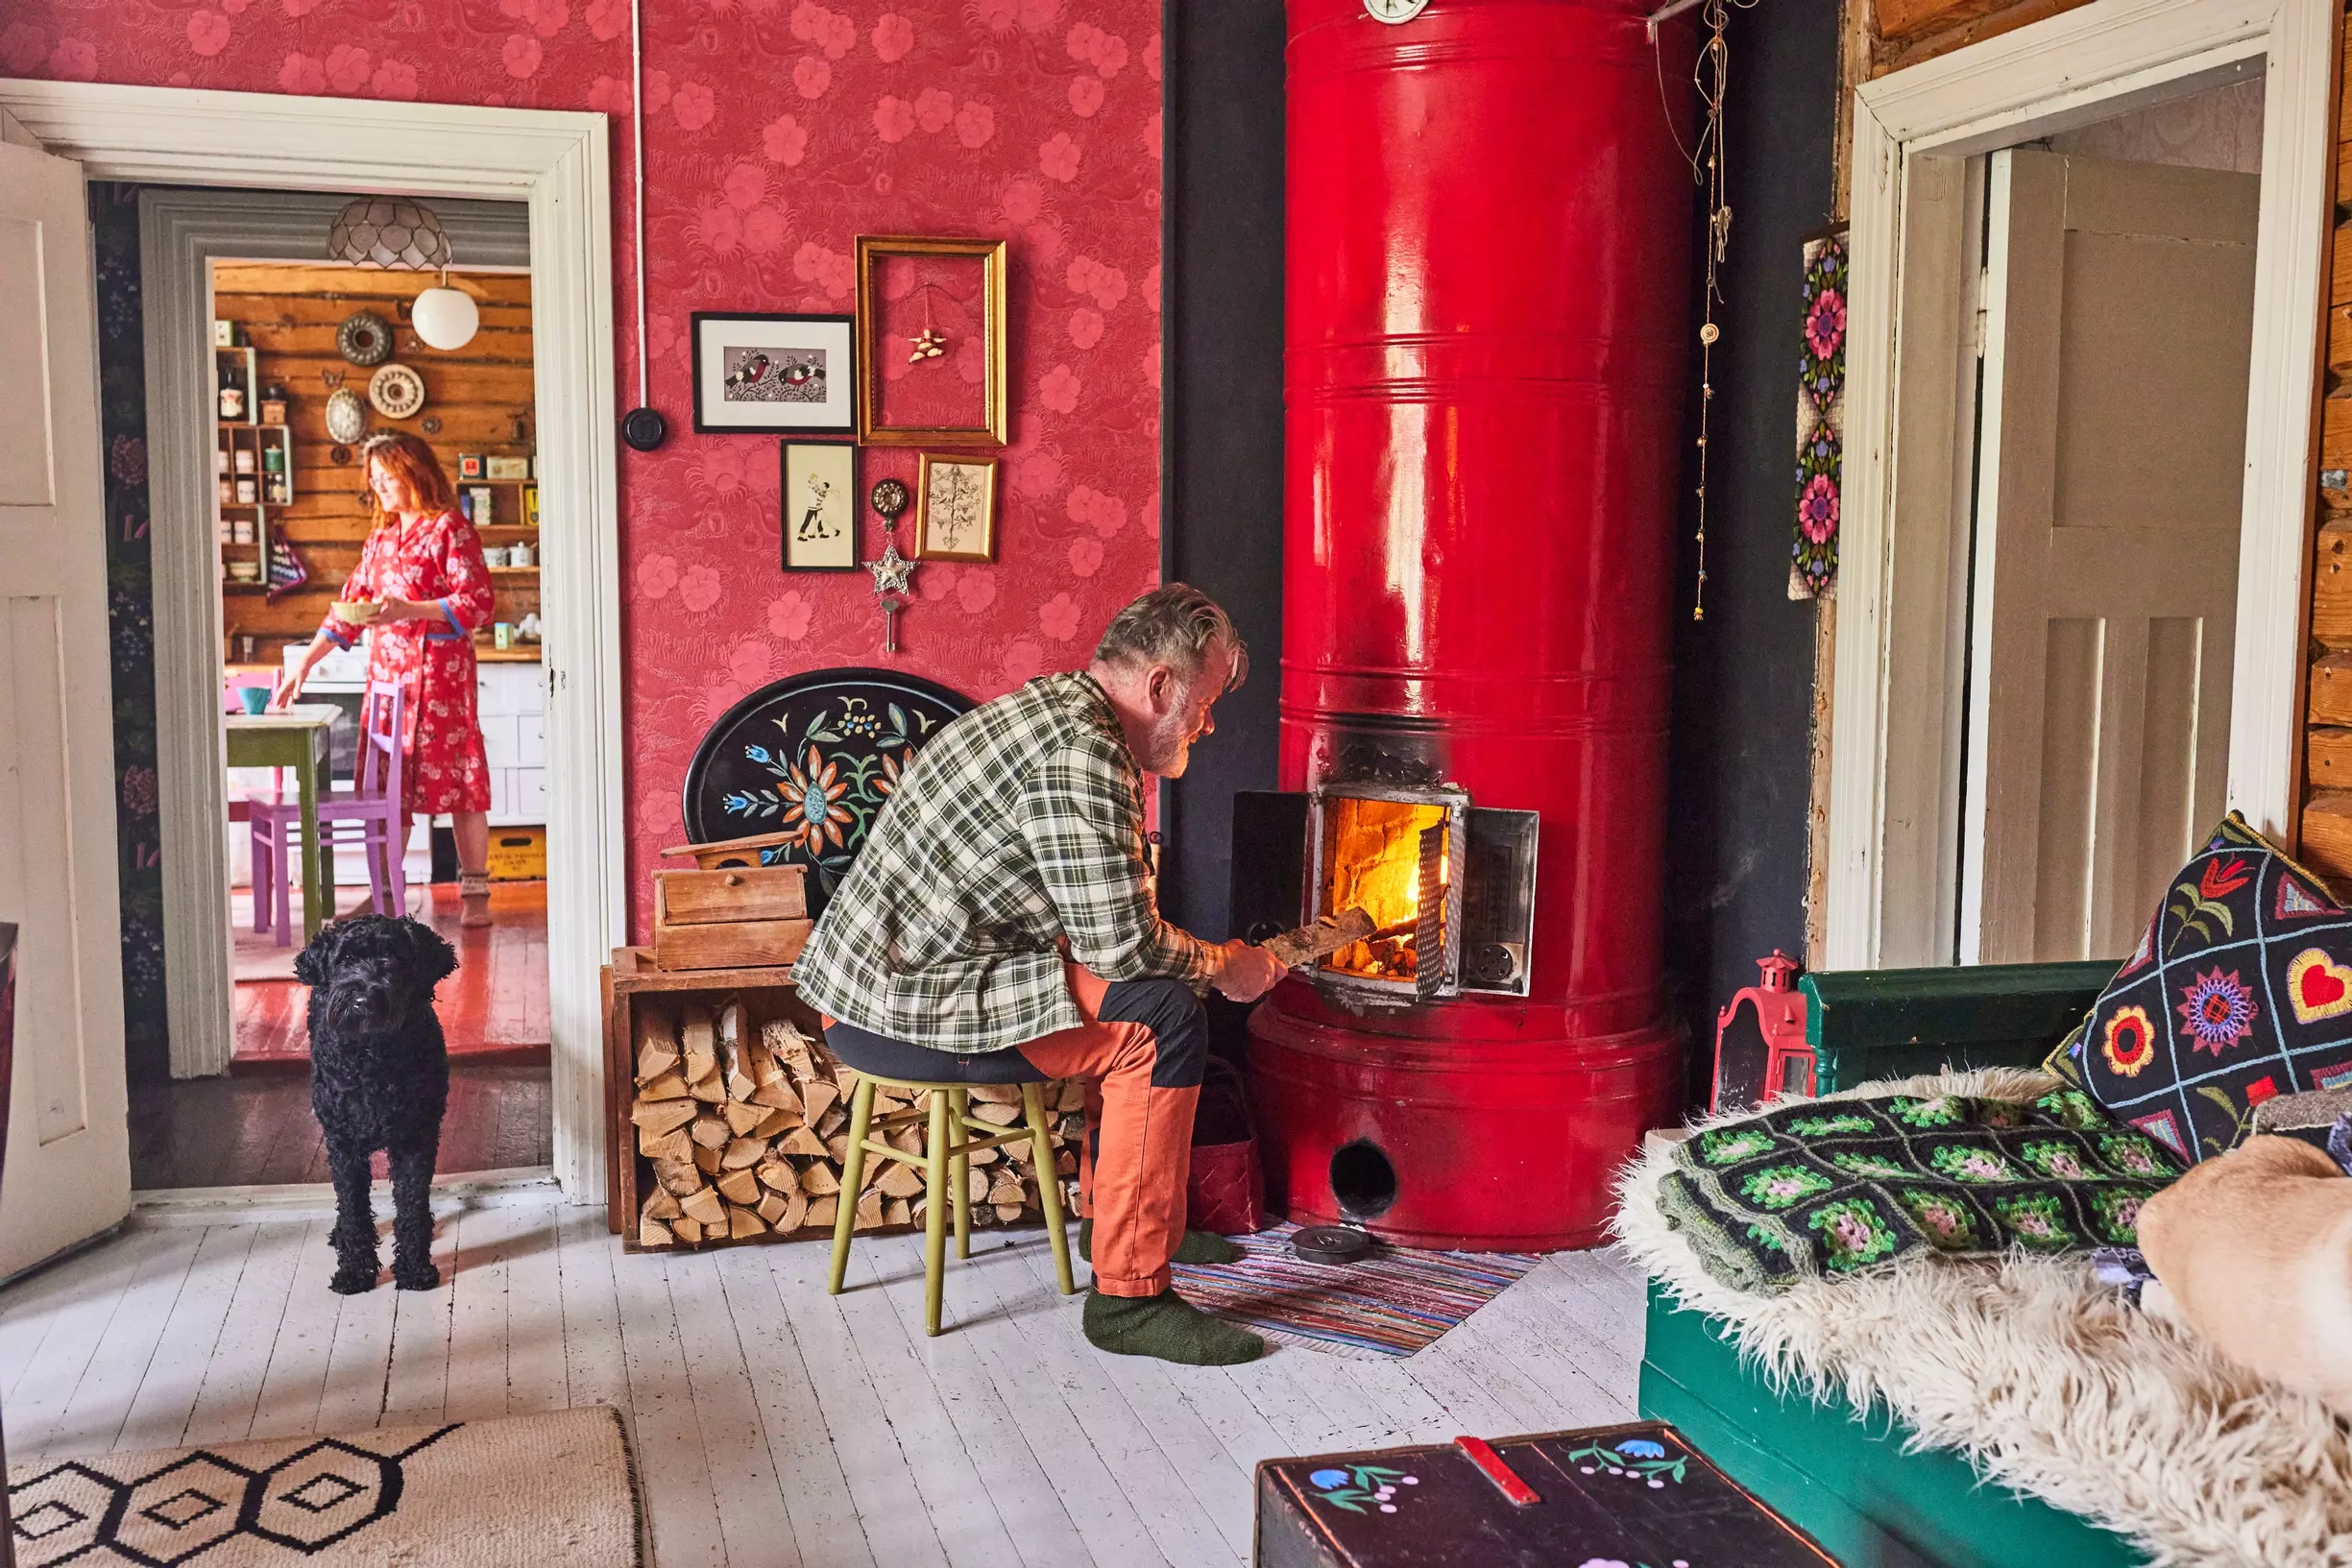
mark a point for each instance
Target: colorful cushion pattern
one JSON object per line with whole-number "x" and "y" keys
{"x": 2239, "y": 990}
{"x": 1822, "y": 1189}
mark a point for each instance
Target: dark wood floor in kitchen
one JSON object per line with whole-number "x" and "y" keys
{"x": 249, "y": 1129}
{"x": 253, "y": 1127}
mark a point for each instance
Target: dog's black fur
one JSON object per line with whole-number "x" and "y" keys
{"x": 379, "y": 1079}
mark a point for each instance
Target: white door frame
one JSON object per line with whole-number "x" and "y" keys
{"x": 1893, "y": 744}
{"x": 559, "y": 163}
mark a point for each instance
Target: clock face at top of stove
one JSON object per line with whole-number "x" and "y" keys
{"x": 1394, "y": 10}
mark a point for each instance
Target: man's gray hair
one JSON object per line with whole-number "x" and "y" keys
{"x": 1175, "y": 624}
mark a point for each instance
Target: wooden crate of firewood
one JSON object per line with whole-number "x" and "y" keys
{"x": 732, "y": 1124}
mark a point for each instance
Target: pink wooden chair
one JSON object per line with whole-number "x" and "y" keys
{"x": 373, "y": 809}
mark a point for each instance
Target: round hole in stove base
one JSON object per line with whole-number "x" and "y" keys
{"x": 1362, "y": 1181}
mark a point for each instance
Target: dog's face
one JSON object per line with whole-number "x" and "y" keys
{"x": 371, "y": 973}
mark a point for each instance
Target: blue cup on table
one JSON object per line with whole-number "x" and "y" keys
{"x": 255, "y": 699}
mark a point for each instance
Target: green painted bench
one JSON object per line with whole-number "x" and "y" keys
{"x": 1839, "y": 1475}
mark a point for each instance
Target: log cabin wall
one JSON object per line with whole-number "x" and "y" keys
{"x": 290, "y": 313}
{"x": 2324, "y": 831}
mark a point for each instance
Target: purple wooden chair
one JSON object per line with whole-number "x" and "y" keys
{"x": 373, "y": 809}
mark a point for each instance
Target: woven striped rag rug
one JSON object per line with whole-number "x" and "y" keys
{"x": 525, "y": 1492}
{"x": 1392, "y": 1303}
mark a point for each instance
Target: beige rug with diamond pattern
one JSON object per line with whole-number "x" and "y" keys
{"x": 525, "y": 1492}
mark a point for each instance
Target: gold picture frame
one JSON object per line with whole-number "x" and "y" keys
{"x": 876, "y": 330}
{"x": 955, "y": 518}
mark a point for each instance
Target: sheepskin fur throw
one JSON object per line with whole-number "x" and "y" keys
{"x": 2045, "y": 1379}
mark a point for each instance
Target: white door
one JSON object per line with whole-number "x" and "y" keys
{"x": 2118, "y": 302}
{"x": 68, "y": 1170}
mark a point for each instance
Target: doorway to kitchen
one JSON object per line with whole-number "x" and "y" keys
{"x": 308, "y": 359}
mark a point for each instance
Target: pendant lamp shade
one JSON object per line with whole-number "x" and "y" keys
{"x": 388, "y": 231}
{"x": 445, "y": 318}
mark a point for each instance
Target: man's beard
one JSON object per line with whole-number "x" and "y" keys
{"x": 1170, "y": 748}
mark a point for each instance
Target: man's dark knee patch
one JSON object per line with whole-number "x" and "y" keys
{"x": 1177, "y": 1022}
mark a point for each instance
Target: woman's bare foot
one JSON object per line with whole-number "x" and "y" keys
{"x": 473, "y": 895}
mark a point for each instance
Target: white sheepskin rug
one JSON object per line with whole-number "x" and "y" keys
{"x": 2045, "y": 1379}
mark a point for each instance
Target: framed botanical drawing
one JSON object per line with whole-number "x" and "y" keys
{"x": 774, "y": 374}
{"x": 821, "y": 506}
{"x": 955, "y": 509}
{"x": 931, "y": 317}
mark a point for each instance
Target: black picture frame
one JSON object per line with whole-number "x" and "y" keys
{"x": 792, "y": 512}
{"x": 834, "y": 334}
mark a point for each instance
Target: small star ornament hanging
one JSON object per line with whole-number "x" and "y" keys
{"x": 929, "y": 345}
{"x": 892, "y": 571}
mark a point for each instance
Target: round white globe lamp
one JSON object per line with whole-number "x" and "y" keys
{"x": 443, "y": 317}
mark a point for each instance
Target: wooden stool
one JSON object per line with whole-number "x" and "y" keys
{"x": 946, "y": 1162}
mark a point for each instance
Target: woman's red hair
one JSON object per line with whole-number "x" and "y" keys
{"x": 413, "y": 463}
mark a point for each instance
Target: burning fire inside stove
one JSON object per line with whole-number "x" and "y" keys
{"x": 1373, "y": 854}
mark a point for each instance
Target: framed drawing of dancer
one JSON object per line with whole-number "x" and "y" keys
{"x": 821, "y": 506}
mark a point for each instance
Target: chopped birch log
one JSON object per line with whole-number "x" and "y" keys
{"x": 653, "y": 1233}
{"x": 775, "y": 1123}
{"x": 679, "y": 1177}
{"x": 820, "y": 1180}
{"x": 706, "y": 1159}
{"x": 837, "y": 1148}
{"x": 780, "y": 1176}
{"x": 799, "y": 1141}
{"x": 821, "y": 1214}
{"x": 778, "y": 1093}
{"x": 689, "y": 1231}
{"x": 739, "y": 1187}
{"x": 997, "y": 1113}
{"x": 742, "y": 1222}
{"x": 796, "y": 1207}
{"x": 900, "y": 1180}
{"x": 741, "y": 1118}
{"x": 772, "y": 1207}
{"x": 977, "y": 1185}
{"x": 711, "y": 1132}
{"x": 743, "y": 1153}
{"x": 660, "y": 1204}
{"x": 897, "y": 1212}
{"x": 817, "y": 1098}
{"x": 832, "y": 1122}
{"x": 996, "y": 1094}
{"x": 1073, "y": 1097}
{"x": 704, "y": 1206}
{"x": 673, "y": 1145}
{"x": 658, "y": 1116}
{"x": 665, "y": 1086}
{"x": 1006, "y": 1192}
{"x": 869, "y": 1211}
{"x": 1006, "y": 1211}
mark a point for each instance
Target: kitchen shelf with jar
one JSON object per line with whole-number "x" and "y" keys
{"x": 253, "y": 464}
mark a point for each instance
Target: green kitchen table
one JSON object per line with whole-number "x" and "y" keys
{"x": 294, "y": 737}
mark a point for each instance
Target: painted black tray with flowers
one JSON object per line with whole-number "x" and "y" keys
{"x": 814, "y": 756}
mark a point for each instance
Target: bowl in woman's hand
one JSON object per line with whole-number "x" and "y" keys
{"x": 357, "y": 611}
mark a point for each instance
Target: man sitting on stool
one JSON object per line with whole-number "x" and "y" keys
{"x": 1000, "y": 926}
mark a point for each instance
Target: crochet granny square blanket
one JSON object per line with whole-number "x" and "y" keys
{"x": 1821, "y": 1190}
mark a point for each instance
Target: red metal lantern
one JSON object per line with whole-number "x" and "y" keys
{"x": 1487, "y": 234}
{"x": 1755, "y": 1054}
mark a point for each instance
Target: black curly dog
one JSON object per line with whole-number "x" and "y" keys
{"x": 379, "y": 1079}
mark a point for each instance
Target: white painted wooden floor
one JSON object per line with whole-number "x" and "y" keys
{"x": 774, "y": 1425}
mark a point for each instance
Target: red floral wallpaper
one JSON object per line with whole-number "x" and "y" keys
{"x": 776, "y": 130}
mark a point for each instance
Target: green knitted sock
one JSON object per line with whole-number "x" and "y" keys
{"x": 1168, "y": 1328}
{"x": 1198, "y": 1246}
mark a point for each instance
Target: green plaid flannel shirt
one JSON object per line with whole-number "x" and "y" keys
{"x": 1022, "y": 823}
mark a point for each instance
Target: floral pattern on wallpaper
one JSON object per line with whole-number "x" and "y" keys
{"x": 776, "y": 132}
{"x": 122, "y": 394}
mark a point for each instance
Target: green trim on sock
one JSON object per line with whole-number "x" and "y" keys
{"x": 1198, "y": 1246}
{"x": 1168, "y": 1328}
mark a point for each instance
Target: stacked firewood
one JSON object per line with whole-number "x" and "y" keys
{"x": 742, "y": 1130}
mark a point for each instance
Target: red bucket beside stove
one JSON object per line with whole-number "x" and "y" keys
{"x": 1487, "y": 332}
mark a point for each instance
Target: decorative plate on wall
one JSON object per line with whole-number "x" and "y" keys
{"x": 346, "y": 417}
{"x": 364, "y": 339}
{"x": 815, "y": 756}
{"x": 396, "y": 391}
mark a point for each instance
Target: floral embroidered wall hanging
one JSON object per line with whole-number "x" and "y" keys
{"x": 1821, "y": 419}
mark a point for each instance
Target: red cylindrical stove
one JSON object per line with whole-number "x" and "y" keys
{"x": 1489, "y": 227}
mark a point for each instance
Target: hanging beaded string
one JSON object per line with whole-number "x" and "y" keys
{"x": 1712, "y": 74}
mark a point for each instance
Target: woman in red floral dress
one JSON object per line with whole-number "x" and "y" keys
{"x": 426, "y": 589}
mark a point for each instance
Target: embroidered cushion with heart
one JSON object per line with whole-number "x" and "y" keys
{"x": 2230, "y": 996}
{"x": 2318, "y": 986}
